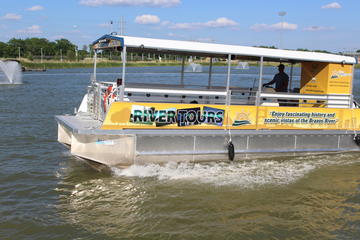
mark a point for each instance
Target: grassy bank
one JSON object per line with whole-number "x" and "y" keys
{"x": 105, "y": 64}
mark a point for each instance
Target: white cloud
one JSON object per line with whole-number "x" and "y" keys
{"x": 332, "y": 5}
{"x": 274, "y": 27}
{"x": 184, "y": 26}
{"x": 165, "y": 23}
{"x": 318, "y": 28}
{"x": 218, "y": 23}
{"x": 35, "y": 8}
{"x": 147, "y": 19}
{"x": 11, "y": 16}
{"x": 151, "y": 3}
{"x": 221, "y": 22}
{"x": 34, "y": 29}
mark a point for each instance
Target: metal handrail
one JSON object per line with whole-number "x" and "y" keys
{"x": 175, "y": 92}
{"x": 330, "y": 100}
{"x": 306, "y": 96}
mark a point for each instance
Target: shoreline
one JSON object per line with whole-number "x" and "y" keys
{"x": 105, "y": 64}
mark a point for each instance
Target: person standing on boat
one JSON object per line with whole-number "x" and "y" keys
{"x": 281, "y": 80}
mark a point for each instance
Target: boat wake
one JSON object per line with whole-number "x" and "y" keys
{"x": 246, "y": 174}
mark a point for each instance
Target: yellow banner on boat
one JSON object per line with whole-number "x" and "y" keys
{"x": 326, "y": 78}
{"x": 126, "y": 115}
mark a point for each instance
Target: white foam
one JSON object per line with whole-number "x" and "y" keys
{"x": 10, "y": 72}
{"x": 246, "y": 174}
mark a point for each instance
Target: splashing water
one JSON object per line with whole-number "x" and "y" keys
{"x": 246, "y": 174}
{"x": 193, "y": 67}
{"x": 10, "y": 72}
{"x": 242, "y": 65}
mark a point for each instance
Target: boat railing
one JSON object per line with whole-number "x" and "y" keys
{"x": 238, "y": 96}
{"x": 102, "y": 95}
{"x": 309, "y": 100}
{"x": 162, "y": 95}
{"x": 99, "y": 99}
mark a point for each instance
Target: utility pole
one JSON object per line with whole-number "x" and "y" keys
{"x": 281, "y": 14}
{"x": 41, "y": 52}
{"x": 76, "y": 54}
{"x": 122, "y": 26}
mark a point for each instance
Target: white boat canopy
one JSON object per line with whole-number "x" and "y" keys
{"x": 176, "y": 47}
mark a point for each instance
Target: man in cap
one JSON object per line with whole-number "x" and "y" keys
{"x": 281, "y": 80}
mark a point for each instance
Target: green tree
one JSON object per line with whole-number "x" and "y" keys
{"x": 82, "y": 54}
{"x": 64, "y": 44}
{"x": 70, "y": 54}
{"x": 272, "y": 47}
{"x": 3, "y": 49}
{"x": 322, "y": 51}
{"x": 13, "y": 47}
{"x": 33, "y": 46}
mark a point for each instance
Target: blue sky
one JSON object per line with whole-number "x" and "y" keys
{"x": 313, "y": 24}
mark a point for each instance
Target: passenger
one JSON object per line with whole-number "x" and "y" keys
{"x": 281, "y": 80}
{"x": 119, "y": 81}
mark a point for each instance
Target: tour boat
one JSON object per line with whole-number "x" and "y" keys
{"x": 120, "y": 123}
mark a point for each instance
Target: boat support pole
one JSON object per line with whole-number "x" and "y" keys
{"x": 291, "y": 76}
{"x": 210, "y": 72}
{"x": 258, "y": 94}
{"x": 228, "y": 80}
{"x": 182, "y": 71}
{"x": 356, "y": 136}
{"x": 93, "y": 80}
{"x": 230, "y": 145}
{"x": 122, "y": 86}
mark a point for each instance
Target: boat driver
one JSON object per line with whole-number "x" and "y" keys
{"x": 280, "y": 79}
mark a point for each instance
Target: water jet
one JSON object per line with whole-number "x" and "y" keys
{"x": 10, "y": 72}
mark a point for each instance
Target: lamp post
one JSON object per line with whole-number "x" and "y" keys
{"x": 281, "y": 14}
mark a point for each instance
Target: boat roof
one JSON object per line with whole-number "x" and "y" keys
{"x": 191, "y": 48}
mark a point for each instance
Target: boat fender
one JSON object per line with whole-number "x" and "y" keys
{"x": 231, "y": 151}
{"x": 357, "y": 139}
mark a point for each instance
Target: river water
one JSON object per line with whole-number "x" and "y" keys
{"x": 45, "y": 193}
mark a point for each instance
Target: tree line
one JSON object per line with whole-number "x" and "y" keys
{"x": 306, "y": 50}
{"x": 31, "y": 48}
{"x": 63, "y": 49}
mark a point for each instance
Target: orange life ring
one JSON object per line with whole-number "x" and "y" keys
{"x": 108, "y": 93}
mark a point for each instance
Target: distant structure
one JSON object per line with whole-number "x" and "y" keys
{"x": 352, "y": 54}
